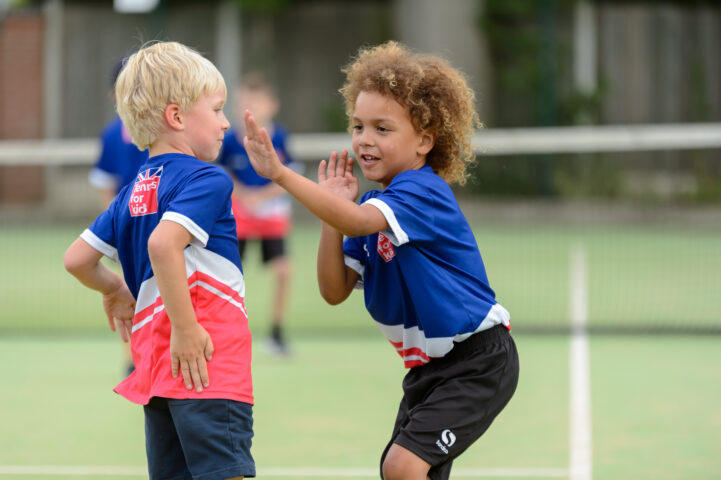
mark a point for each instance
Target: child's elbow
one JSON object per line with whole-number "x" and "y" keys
{"x": 156, "y": 247}
{"x": 332, "y": 296}
{"x": 331, "y": 299}
{"x": 72, "y": 263}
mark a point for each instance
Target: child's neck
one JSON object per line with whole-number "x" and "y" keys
{"x": 161, "y": 147}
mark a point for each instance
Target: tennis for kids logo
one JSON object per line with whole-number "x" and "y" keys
{"x": 385, "y": 248}
{"x": 447, "y": 439}
{"x": 144, "y": 199}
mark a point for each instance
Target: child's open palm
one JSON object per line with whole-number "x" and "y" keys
{"x": 260, "y": 149}
{"x": 338, "y": 176}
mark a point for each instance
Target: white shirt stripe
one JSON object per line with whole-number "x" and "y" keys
{"x": 414, "y": 337}
{"x": 396, "y": 234}
{"x": 99, "y": 245}
{"x": 200, "y": 235}
{"x": 147, "y": 319}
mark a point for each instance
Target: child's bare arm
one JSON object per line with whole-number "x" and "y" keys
{"x": 335, "y": 279}
{"x": 83, "y": 262}
{"x": 190, "y": 345}
{"x": 342, "y": 214}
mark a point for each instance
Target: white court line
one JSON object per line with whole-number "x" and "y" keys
{"x": 284, "y": 472}
{"x": 580, "y": 463}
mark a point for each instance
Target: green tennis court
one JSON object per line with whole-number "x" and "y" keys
{"x": 327, "y": 412}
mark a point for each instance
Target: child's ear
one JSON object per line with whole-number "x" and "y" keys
{"x": 173, "y": 116}
{"x": 428, "y": 140}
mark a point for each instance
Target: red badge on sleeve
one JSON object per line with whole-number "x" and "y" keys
{"x": 385, "y": 248}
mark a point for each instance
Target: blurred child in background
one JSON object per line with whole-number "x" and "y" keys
{"x": 116, "y": 166}
{"x": 412, "y": 251}
{"x": 181, "y": 301}
{"x": 119, "y": 158}
{"x": 261, "y": 208}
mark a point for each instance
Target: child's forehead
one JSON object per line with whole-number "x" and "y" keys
{"x": 369, "y": 101}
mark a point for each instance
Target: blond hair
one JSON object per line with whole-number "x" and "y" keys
{"x": 436, "y": 95}
{"x": 156, "y": 76}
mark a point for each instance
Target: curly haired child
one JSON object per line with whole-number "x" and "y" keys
{"x": 411, "y": 250}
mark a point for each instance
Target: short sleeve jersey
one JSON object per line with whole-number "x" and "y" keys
{"x": 181, "y": 189}
{"x": 234, "y": 158}
{"x": 119, "y": 159}
{"x": 424, "y": 280}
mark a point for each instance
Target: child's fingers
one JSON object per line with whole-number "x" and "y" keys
{"x": 254, "y": 132}
{"x": 185, "y": 370}
{"x": 122, "y": 327}
{"x": 250, "y": 125}
{"x": 349, "y": 167}
{"x": 196, "y": 367}
{"x": 332, "y": 164}
{"x": 128, "y": 328}
{"x": 209, "y": 350}
{"x": 342, "y": 163}
{"x": 111, "y": 321}
{"x": 321, "y": 171}
{"x": 202, "y": 375}
{"x": 175, "y": 364}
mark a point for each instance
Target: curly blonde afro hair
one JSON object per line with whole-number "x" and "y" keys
{"x": 436, "y": 95}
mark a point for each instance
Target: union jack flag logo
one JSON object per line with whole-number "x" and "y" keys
{"x": 144, "y": 198}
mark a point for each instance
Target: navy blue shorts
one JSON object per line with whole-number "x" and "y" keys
{"x": 198, "y": 439}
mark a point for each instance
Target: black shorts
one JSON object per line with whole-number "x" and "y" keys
{"x": 451, "y": 401}
{"x": 271, "y": 248}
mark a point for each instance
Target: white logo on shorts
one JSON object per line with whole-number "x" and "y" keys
{"x": 447, "y": 439}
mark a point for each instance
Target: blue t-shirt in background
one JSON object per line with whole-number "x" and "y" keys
{"x": 234, "y": 158}
{"x": 119, "y": 159}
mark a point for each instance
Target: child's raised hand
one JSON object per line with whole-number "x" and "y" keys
{"x": 119, "y": 306}
{"x": 260, "y": 149}
{"x": 338, "y": 175}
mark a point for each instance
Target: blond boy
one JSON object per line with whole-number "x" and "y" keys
{"x": 181, "y": 300}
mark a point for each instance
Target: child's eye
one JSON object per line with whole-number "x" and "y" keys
{"x": 381, "y": 128}
{"x": 358, "y": 127}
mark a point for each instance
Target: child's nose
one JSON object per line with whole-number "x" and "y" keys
{"x": 364, "y": 138}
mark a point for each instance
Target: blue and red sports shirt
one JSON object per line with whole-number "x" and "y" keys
{"x": 424, "y": 280}
{"x": 196, "y": 195}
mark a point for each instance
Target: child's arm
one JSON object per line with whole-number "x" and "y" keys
{"x": 342, "y": 214}
{"x": 83, "y": 262}
{"x": 335, "y": 279}
{"x": 190, "y": 345}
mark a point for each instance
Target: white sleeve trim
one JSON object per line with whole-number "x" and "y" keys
{"x": 99, "y": 245}
{"x": 358, "y": 267}
{"x": 396, "y": 234}
{"x": 101, "y": 179}
{"x": 200, "y": 237}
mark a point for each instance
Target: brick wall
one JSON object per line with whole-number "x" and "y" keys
{"x": 21, "y": 76}
{"x": 21, "y": 100}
